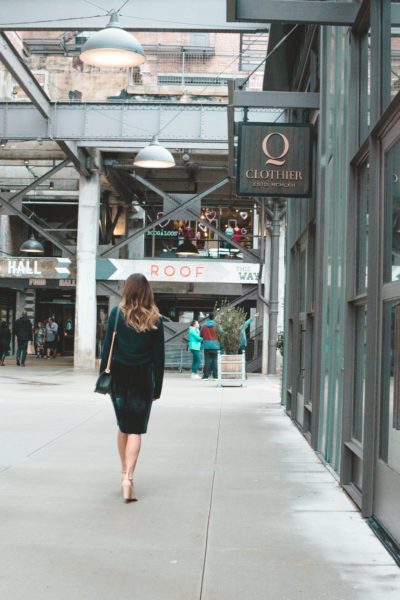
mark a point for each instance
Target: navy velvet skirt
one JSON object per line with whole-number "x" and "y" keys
{"x": 132, "y": 390}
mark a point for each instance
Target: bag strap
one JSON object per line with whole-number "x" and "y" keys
{"x": 108, "y": 367}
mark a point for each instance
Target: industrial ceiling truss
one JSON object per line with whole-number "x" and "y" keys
{"x": 11, "y": 204}
{"x": 11, "y": 59}
{"x": 141, "y": 15}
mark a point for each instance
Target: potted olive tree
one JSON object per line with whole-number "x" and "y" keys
{"x": 229, "y": 331}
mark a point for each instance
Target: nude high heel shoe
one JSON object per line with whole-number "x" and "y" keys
{"x": 127, "y": 490}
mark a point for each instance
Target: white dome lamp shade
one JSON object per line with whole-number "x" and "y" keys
{"x": 32, "y": 246}
{"x": 112, "y": 47}
{"x": 154, "y": 156}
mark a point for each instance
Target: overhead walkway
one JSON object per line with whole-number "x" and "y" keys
{"x": 233, "y": 503}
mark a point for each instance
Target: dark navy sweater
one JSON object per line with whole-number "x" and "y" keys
{"x": 133, "y": 348}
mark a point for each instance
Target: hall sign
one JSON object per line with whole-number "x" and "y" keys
{"x": 38, "y": 268}
{"x": 193, "y": 271}
{"x": 274, "y": 159}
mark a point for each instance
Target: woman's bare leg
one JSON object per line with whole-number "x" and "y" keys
{"x": 132, "y": 453}
{"x": 122, "y": 440}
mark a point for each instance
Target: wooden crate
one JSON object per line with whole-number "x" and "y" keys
{"x": 232, "y": 366}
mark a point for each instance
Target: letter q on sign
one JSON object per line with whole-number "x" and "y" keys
{"x": 275, "y": 160}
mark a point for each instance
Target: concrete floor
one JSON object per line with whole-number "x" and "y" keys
{"x": 233, "y": 503}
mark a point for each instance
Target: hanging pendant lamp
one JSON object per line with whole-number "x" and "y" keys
{"x": 154, "y": 156}
{"x": 186, "y": 249}
{"x": 112, "y": 47}
{"x": 32, "y": 246}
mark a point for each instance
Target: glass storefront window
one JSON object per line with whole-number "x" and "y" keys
{"x": 362, "y": 213}
{"x": 365, "y": 85}
{"x": 390, "y": 403}
{"x": 359, "y": 372}
{"x": 303, "y": 279}
{"x": 7, "y": 311}
{"x": 166, "y": 237}
{"x": 394, "y": 53}
{"x": 392, "y": 214}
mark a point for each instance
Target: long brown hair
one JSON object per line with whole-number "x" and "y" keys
{"x": 138, "y": 305}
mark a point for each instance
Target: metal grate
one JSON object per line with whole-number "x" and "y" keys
{"x": 174, "y": 79}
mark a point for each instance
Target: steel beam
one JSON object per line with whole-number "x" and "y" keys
{"x": 293, "y": 11}
{"x": 289, "y": 100}
{"x": 159, "y": 15}
{"x": 362, "y": 20}
{"x": 115, "y": 122}
{"x": 21, "y": 73}
{"x": 76, "y": 155}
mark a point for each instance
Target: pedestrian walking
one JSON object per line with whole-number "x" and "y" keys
{"x": 40, "y": 335}
{"x": 100, "y": 332}
{"x": 5, "y": 339}
{"x": 137, "y": 369}
{"x": 211, "y": 347}
{"x": 243, "y": 343}
{"x": 23, "y": 331}
{"x": 195, "y": 341}
{"x": 51, "y": 337}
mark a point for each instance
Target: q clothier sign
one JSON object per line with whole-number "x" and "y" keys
{"x": 274, "y": 159}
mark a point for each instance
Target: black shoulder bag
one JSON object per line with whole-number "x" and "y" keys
{"x": 103, "y": 383}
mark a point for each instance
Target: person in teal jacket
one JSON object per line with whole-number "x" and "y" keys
{"x": 243, "y": 343}
{"x": 195, "y": 341}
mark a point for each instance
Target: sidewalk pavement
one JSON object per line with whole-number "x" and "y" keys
{"x": 233, "y": 503}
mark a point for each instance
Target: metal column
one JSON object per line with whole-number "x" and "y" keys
{"x": 274, "y": 287}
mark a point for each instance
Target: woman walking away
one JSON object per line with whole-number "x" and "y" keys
{"x": 5, "y": 339}
{"x": 137, "y": 369}
{"x": 195, "y": 340}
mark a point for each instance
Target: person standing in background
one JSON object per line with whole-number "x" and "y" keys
{"x": 23, "y": 331}
{"x": 195, "y": 340}
{"x": 229, "y": 232}
{"x": 40, "y": 335}
{"x": 243, "y": 343}
{"x": 51, "y": 337}
{"x": 211, "y": 347}
{"x": 100, "y": 332}
{"x": 5, "y": 339}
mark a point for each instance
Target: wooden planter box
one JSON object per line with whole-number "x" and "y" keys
{"x": 232, "y": 369}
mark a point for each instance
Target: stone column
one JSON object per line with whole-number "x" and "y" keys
{"x": 85, "y": 304}
{"x": 6, "y": 236}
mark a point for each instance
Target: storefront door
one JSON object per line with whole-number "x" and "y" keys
{"x": 7, "y": 311}
{"x": 61, "y": 307}
{"x": 387, "y": 475}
